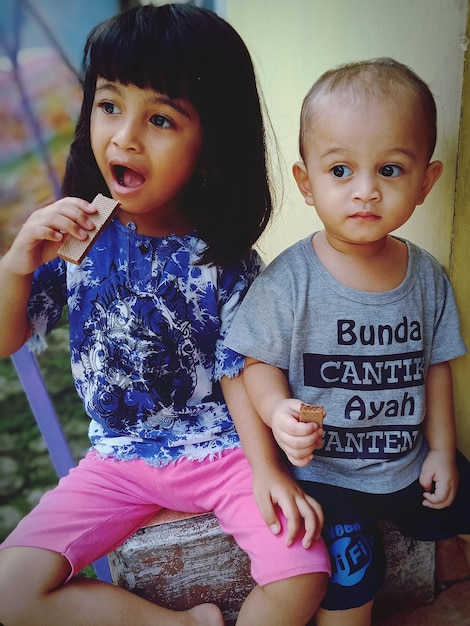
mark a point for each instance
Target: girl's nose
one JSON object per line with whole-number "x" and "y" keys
{"x": 127, "y": 136}
{"x": 367, "y": 189}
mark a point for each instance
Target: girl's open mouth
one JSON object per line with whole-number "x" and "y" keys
{"x": 127, "y": 177}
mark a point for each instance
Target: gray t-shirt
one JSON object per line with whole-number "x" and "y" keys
{"x": 362, "y": 355}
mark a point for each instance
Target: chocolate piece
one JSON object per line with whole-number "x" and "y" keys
{"x": 311, "y": 413}
{"x": 75, "y": 250}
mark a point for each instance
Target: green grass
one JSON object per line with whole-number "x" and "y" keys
{"x": 20, "y": 438}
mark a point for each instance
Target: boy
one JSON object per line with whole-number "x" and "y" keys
{"x": 363, "y": 323}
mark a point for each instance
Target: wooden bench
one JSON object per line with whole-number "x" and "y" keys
{"x": 180, "y": 560}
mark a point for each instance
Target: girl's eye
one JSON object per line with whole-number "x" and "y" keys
{"x": 390, "y": 171}
{"x": 341, "y": 171}
{"x": 109, "y": 108}
{"x": 160, "y": 121}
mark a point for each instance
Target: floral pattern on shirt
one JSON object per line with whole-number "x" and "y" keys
{"x": 147, "y": 330}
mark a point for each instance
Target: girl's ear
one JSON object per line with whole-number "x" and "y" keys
{"x": 303, "y": 183}
{"x": 433, "y": 172}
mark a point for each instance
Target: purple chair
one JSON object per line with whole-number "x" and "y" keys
{"x": 46, "y": 418}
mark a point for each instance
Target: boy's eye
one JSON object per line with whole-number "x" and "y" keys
{"x": 160, "y": 121}
{"x": 341, "y": 171}
{"x": 390, "y": 171}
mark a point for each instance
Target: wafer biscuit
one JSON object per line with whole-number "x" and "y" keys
{"x": 75, "y": 250}
{"x": 311, "y": 413}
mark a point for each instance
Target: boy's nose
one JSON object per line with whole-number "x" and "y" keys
{"x": 367, "y": 189}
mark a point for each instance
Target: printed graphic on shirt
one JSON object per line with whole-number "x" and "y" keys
{"x": 143, "y": 363}
{"x": 147, "y": 341}
{"x": 374, "y": 391}
{"x": 139, "y": 356}
{"x": 350, "y": 553}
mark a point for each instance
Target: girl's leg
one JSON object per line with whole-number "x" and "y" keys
{"x": 360, "y": 616}
{"x": 92, "y": 510}
{"x": 32, "y": 591}
{"x": 291, "y": 580}
{"x": 290, "y": 601}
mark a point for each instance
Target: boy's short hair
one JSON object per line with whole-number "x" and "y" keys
{"x": 376, "y": 78}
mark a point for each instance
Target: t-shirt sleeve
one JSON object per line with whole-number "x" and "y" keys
{"x": 47, "y": 300}
{"x": 234, "y": 282}
{"x": 262, "y": 327}
{"x": 447, "y": 340}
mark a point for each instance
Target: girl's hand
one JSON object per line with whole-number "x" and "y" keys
{"x": 44, "y": 231}
{"x": 297, "y": 439}
{"x": 274, "y": 488}
{"x": 439, "y": 477}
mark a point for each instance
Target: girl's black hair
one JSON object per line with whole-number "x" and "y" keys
{"x": 191, "y": 53}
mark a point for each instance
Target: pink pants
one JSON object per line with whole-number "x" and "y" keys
{"x": 102, "y": 502}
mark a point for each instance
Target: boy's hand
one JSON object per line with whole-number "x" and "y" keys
{"x": 439, "y": 478}
{"x": 43, "y": 232}
{"x": 276, "y": 488}
{"x": 297, "y": 439}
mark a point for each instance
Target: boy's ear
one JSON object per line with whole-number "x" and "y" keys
{"x": 433, "y": 172}
{"x": 303, "y": 183}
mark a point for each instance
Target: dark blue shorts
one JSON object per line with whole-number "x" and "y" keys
{"x": 354, "y": 540}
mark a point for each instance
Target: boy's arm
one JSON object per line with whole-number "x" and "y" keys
{"x": 268, "y": 389}
{"x": 439, "y": 475}
{"x": 272, "y": 484}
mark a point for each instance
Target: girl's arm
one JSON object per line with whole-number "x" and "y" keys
{"x": 272, "y": 485}
{"x": 15, "y": 289}
{"x": 268, "y": 390}
{"x": 439, "y": 476}
{"x": 37, "y": 242}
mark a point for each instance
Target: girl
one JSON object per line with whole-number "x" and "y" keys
{"x": 171, "y": 128}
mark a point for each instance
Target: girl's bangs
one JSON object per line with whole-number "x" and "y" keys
{"x": 144, "y": 62}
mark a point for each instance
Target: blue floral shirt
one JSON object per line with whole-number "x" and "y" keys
{"x": 147, "y": 330}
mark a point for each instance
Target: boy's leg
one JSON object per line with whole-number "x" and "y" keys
{"x": 465, "y": 540}
{"x": 426, "y": 524}
{"x": 356, "y": 550}
{"x": 464, "y": 493}
{"x": 360, "y": 616}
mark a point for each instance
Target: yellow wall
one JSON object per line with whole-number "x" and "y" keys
{"x": 461, "y": 265}
{"x": 292, "y": 42}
